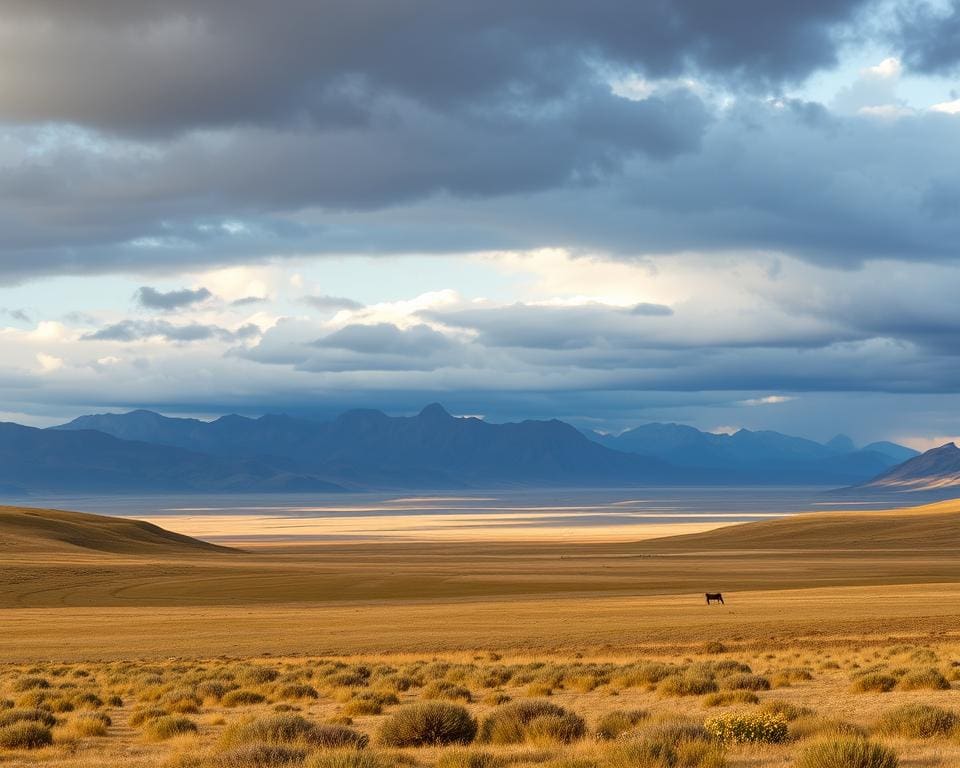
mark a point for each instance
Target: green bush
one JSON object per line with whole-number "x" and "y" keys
{"x": 917, "y": 721}
{"x": 847, "y": 753}
{"x": 167, "y": 727}
{"x": 748, "y": 727}
{"x": 509, "y": 724}
{"x": 428, "y": 723}
{"x": 26, "y": 734}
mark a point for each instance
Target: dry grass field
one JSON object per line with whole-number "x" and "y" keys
{"x": 839, "y": 647}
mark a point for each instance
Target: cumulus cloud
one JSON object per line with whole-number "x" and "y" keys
{"x": 331, "y": 303}
{"x": 138, "y": 330}
{"x": 151, "y": 298}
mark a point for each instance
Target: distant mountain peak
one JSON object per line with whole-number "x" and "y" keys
{"x": 841, "y": 444}
{"x": 434, "y": 412}
{"x": 938, "y": 468}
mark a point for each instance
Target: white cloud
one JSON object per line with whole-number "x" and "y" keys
{"x": 768, "y": 400}
{"x": 947, "y": 107}
{"x": 49, "y": 363}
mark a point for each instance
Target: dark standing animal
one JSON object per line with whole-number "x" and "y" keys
{"x": 718, "y": 596}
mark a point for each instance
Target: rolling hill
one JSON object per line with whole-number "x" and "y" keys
{"x": 929, "y": 527}
{"x": 54, "y": 531}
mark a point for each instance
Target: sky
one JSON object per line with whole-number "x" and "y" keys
{"x": 730, "y": 215}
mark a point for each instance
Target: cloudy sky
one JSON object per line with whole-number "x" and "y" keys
{"x": 740, "y": 214}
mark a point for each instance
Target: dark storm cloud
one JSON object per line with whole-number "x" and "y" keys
{"x": 930, "y": 37}
{"x": 151, "y": 298}
{"x": 149, "y": 68}
{"x": 136, "y": 330}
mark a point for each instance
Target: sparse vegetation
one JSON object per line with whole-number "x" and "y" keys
{"x": 847, "y": 753}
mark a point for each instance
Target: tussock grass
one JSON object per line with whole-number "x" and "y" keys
{"x": 847, "y": 753}
{"x": 258, "y": 756}
{"x": 26, "y": 734}
{"x": 520, "y": 721}
{"x": 875, "y": 682}
{"x": 917, "y": 721}
{"x": 923, "y": 679}
{"x": 292, "y": 729}
{"x": 613, "y": 724}
{"x": 242, "y": 698}
{"x": 726, "y": 698}
{"x": 168, "y": 726}
{"x": 428, "y": 723}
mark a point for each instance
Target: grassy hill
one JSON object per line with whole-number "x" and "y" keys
{"x": 49, "y": 530}
{"x": 928, "y": 527}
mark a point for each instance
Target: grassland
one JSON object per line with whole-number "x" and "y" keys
{"x": 833, "y": 621}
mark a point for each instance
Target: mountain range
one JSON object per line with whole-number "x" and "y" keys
{"x": 759, "y": 457}
{"x": 935, "y": 470}
{"x": 143, "y": 451}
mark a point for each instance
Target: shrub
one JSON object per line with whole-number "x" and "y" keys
{"x": 746, "y": 682}
{"x": 258, "y": 675}
{"x": 428, "y": 723}
{"x": 496, "y": 698}
{"x": 561, "y": 729}
{"x": 724, "y": 698}
{"x": 917, "y": 721}
{"x": 90, "y": 724}
{"x": 140, "y": 716}
{"x": 168, "y": 726}
{"x": 444, "y": 689}
{"x": 742, "y": 727}
{"x": 11, "y": 716}
{"x": 847, "y": 753}
{"x": 808, "y": 726}
{"x": 260, "y": 756}
{"x": 29, "y": 684}
{"x": 784, "y": 709}
{"x": 298, "y": 691}
{"x": 350, "y": 758}
{"x": 241, "y": 697}
{"x": 215, "y": 689}
{"x": 619, "y": 721}
{"x": 686, "y": 685}
{"x": 643, "y": 674}
{"x": 539, "y": 689}
{"x": 922, "y": 679}
{"x": 509, "y": 724}
{"x": 713, "y": 646}
{"x": 875, "y": 682}
{"x": 26, "y": 734}
{"x": 659, "y": 752}
{"x": 468, "y": 758}
{"x": 293, "y": 729}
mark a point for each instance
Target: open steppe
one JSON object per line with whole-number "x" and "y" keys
{"x": 827, "y": 610}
